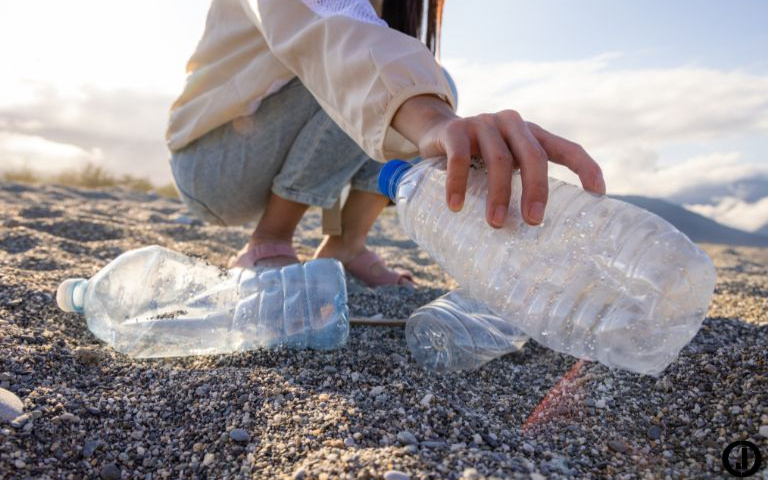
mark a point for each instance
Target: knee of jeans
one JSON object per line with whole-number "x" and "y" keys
{"x": 201, "y": 211}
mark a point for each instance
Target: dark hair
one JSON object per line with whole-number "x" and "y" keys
{"x": 407, "y": 16}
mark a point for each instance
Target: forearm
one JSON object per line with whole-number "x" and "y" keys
{"x": 420, "y": 114}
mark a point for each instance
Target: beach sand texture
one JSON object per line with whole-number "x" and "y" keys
{"x": 364, "y": 411}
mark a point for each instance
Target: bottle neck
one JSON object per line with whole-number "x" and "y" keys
{"x": 78, "y": 296}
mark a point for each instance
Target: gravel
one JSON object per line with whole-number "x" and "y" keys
{"x": 365, "y": 411}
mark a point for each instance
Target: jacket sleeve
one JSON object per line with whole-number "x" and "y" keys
{"x": 359, "y": 70}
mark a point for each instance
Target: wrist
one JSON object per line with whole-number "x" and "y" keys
{"x": 420, "y": 114}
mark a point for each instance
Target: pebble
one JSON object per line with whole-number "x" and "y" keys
{"x": 618, "y": 446}
{"x": 376, "y": 391}
{"x": 10, "y": 405}
{"x": 396, "y": 475}
{"x": 68, "y": 417}
{"x": 349, "y": 442}
{"x": 654, "y": 433}
{"x": 19, "y": 421}
{"x": 600, "y": 403}
{"x": 110, "y": 471}
{"x": 426, "y": 400}
{"x": 239, "y": 435}
{"x": 407, "y": 438}
{"x": 208, "y": 459}
{"x": 90, "y": 447}
{"x": 433, "y": 444}
{"x": 528, "y": 448}
{"x": 763, "y": 431}
{"x": 470, "y": 474}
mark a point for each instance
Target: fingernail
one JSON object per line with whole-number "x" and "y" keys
{"x": 455, "y": 202}
{"x": 499, "y": 215}
{"x": 536, "y": 212}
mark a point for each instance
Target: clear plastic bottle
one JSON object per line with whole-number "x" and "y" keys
{"x": 154, "y": 302}
{"x": 599, "y": 279}
{"x": 456, "y": 332}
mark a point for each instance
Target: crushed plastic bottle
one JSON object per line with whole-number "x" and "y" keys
{"x": 154, "y": 302}
{"x": 599, "y": 279}
{"x": 456, "y": 332}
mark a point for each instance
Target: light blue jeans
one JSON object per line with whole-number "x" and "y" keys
{"x": 289, "y": 147}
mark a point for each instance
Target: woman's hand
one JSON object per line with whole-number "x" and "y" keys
{"x": 506, "y": 142}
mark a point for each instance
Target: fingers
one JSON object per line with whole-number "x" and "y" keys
{"x": 458, "y": 151}
{"x": 499, "y": 162}
{"x": 533, "y": 163}
{"x": 573, "y": 156}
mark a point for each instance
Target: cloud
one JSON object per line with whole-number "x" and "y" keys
{"x": 735, "y": 212}
{"x": 20, "y": 151}
{"x": 603, "y": 107}
{"x": 53, "y": 127}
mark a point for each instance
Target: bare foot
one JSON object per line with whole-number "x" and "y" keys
{"x": 264, "y": 254}
{"x": 376, "y": 274}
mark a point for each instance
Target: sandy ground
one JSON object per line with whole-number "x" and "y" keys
{"x": 364, "y": 411}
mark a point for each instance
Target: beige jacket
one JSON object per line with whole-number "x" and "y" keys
{"x": 359, "y": 70}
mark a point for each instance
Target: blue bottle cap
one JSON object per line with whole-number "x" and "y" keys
{"x": 389, "y": 177}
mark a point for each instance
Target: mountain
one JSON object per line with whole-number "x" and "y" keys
{"x": 748, "y": 190}
{"x": 698, "y": 228}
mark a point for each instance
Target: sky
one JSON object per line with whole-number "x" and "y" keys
{"x": 671, "y": 98}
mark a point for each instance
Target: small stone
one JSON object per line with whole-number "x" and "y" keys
{"x": 88, "y": 356}
{"x": 654, "y": 433}
{"x": 19, "y": 463}
{"x": 470, "y": 474}
{"x": 528, "y": 448}
{"x": 376, "y": 391}
{"x": 299, "y": 474}
{"x": 349, "y": 442}
{"x": 10, "y": 406}
{"x": 433, "y": 444}
{"x": 600, "y": 403}
{"x": 396, "y": 475}
{"x": 239, "y": 435}
{"x": 202, "y": 390}
{"x": 355, "y": 376}
{"x": 409, "y": 449}
{"x": 537, "y": 476}
{"x": 763, "y": 431}
{"x": 68, "y": 417}
{"x": 618, "y": 446}
{"x": 426, "y": 400}
{"x": 110, "y": 471}
{"x": 208, "y": 459}
{"x": 407, "y": 438}
{"x": 90, "y": 447}
{"x": 19, "y": 421}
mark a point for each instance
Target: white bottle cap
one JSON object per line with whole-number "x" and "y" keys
{"x": 65, "y": 294}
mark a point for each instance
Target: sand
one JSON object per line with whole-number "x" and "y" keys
{"x": 364, "y": 411}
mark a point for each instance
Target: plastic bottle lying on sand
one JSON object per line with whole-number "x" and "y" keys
{"x": 598, "y": 279}
{"x": 154, "y": 302}
{"x": 456, "y": 332}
